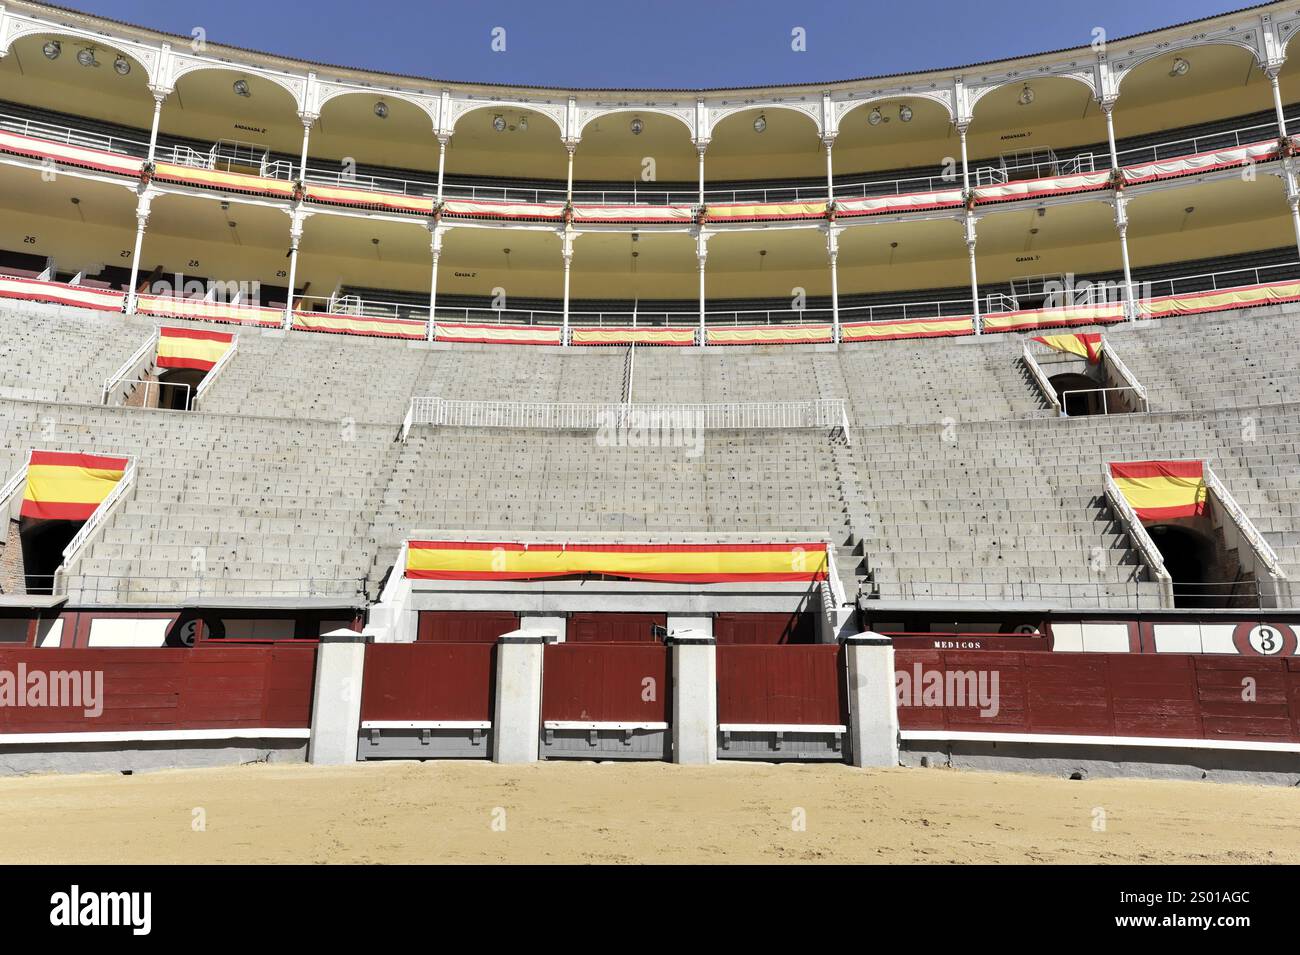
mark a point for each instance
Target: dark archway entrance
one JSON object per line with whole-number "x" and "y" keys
{"x": 176, "y": 388}
{"x": 1191, "y": 559}
{"x": 43, "y": 543}
{"x": 1077, "y": 394}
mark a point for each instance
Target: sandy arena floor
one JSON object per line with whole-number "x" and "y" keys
{"x": 647, "y": 812}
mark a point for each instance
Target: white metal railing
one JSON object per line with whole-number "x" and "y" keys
{"x": 201, "y": 391}
{"x": 1146, "y": 547}
{"x": 132, "y": 365}
{"x": 10, "y": 487}
{"x": 595, "y": 416}
{"x": 1040, "y": 377}
{"x": 1105, "y": 401}
{"x": 1123, "y": 373}
{"x": 1245, "y": 526}
{"x": 58, "y": 133}
{"x": 148, "y": 383}
{"x": 95, "y": 521}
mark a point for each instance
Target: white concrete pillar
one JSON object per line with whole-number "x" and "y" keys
{"x": 435, "y": 247}
{"x": 142, "y": 208}
{"x": 830, "y": 168}
{"x": 1294, "y": 200}
{"x": 158, "y": 97}
{"x": 701, "y": 254}
{"x": 700, "y": 147}
{"x": 307, "y": 120}
{"x": 552, "y": 625}
{"x": 569, "y": 147}
{"x": 873, "y": 710}
{"x": 974, "y": 275}
{"x": 699, "y": 625}
{"x": 1277, "y": 102}
{"x": 517, "y": 712}
{"x": 1108, "y": 109}
{"x": 336, "y": 699}
{"x": 442, "y": 160}
{"x": 695, "y": 698}
{"x": 1121, "y": 223}
{"x": 295, "y": 237}
{"x": 833, "y": 254}
{"x": 567, "y": 252}
{"x": 965, "y": 165}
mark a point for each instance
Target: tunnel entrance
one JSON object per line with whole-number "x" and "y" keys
{"x": 43, "y": 542}
{"x": 1192, "y": 560}
{"x": 176, "y": 388}
{"x": 1077, "y": 394}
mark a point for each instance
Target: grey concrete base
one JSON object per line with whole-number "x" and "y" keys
{"x": 773, "y": 747}
{"x": 605, "y": 744}
{"x": 144, "y": 757}
{"x": 424, "y": 744}
{"x": 1108, "y": 761}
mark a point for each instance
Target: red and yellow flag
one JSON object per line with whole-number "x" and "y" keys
{"x": 66, "y": 486}
{"x": 1086, "y": 345}
{"x": 675, "y": 563}
{"x": 191, "y": 347}
{"x": 1162, "y": 489}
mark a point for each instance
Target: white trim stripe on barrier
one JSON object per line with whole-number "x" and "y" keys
{"x": 426, "y": 724}
{"x": 147, "y": 736}
{"x": 1085, "y": 740}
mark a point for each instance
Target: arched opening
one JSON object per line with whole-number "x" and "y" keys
{"x": 362, "y": 137}
{"x": 504, "y": 144}
{"x": 176, "y": 387}
{"x": 1190, "y": 558}
{"x": 43, "y": 542}
{"x": 641, "y": 153}
{"x": 69, "y": 81}
{"x": 1078, "y": 394}
{"x": 897, "y": 138}
{"x": 763, "y": 145}
{"x": 1036, "y": 127}
{"x": 259, "y": 115}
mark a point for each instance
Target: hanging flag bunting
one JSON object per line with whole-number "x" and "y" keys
{"x": 676, "y": 563}
{"x": 1085, "y": 345}
{"x": 67, "y": 486}
{"x": 1158, "y": 490}
{"x": 191, "y": 347}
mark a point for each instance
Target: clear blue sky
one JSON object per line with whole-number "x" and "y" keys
{"x": 653, "y": 43}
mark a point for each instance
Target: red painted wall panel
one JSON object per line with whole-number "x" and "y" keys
{"x": 169, "y": 688}
{"x": 613, "y": 627}
{"x": 781, "y": 684}
{"x": 1188, "y": 696}
{"x": 465, "y": 626}
{"x": 607, "y": 682}
{"x": 764, "y": 628}
{"x": 428, "y": 681}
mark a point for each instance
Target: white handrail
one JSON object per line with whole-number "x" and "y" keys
{"x": 596, "y": 416}
{"x": 131, "y": 365}
{"x": 213, "y": 372}
{"x": 96, "y": 520}
{"x": 1040, "y": 378}
{"x": 1123, "y": 373}
{"x": 1263, "y": 550}
{"x": 1137, "y": 533}
{"x": 11, "y": 486}
{"x": 1105, "y": 404}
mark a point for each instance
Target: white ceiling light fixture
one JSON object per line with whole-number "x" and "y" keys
{"x": 905, "y": 113}
{"x": 760, "y": 124}
{"x": 86, "y": 57}
{"x": 381, "y": 109}
{"x": 637, "y": 126}
{"x": 499, "y": 123}
{"x": 1180, "y": 67}
{"x": 241, "y": 88}
{"x": 121, "y": 66}
{"x": 1026, "y": 96}
{"x": 875, "y": 117}
{"x": 52, "y": 49}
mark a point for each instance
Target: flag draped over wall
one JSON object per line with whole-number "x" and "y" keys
{"x": 676, "y": 563}
{"x": 191, "y": 347}
{"x": 1086, "y": 345}
{"x": 67, "y": 486}
{"x": 1158, "y": 490}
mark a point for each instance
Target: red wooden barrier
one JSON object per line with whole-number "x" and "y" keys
{"x": 607, "y": 682}
{"x": 465, "y": 626}
{"x": 428, "y": 681}
{"x": 614, "y": 627}
{"x": 163, "y": 688}
{"x": 765, "y": 628}
{"x": 781, "y": 684}
{"x": 1181, "y": 696}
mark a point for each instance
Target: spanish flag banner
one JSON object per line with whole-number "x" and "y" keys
{"x": 66, "y": 486}
{"x": 649, "y": 335}
{"x": 762, "y": 211}
{"x": 216, "y": 179}
{"x": 907, "y": 328}
{"x": 1158, "y": 490}
{"x": 339, "y": 324}
{"x": 1086, "y": 345}
{"x": 767, "y": 334}
{"x": 498, "y": 334}
{"x": 673, "y": 563}
{"x": 194, "y": 348}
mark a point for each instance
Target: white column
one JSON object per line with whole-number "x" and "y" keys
{"x": 566, "y": 250}
{"x": 569, "y": 147}
{"x": 442, "y": 160}
{"x": 296, "y": 219}
{"x": 1294, "y": 200}
{"x": 700, "y": 146}
{"x": 307, "y": 120}
{"x": 435, "y": 248}
{"x": 830, "y": 168}
{"x": 336, "y": 699}
{"x": 695, "y": 698}
{"x": 965, "y": 165}
{"x": 974, "y": 275}
{"x": 158, "y": 97}
{"x": 141, "y": 219}
{"x": 833, "y": 253}
{"x": 873, "y": 700}
{"x": 1121, "y": 223}
{"x": 701, "y": 254}
{"x": 1108, "y": 109}
{"x": 1277, "y": 101}
{"x": 517, "y": 711}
